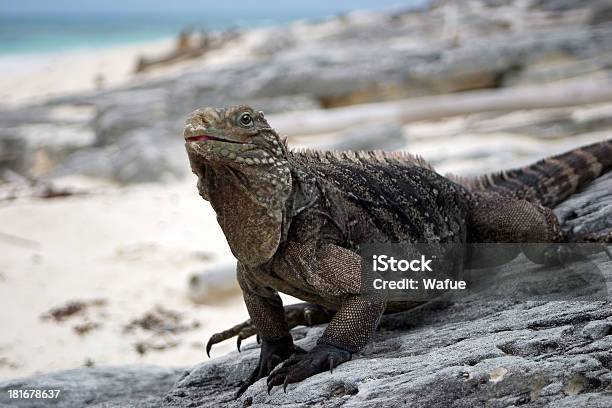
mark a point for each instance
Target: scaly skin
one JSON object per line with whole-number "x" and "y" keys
{"x": 295, "y": 222}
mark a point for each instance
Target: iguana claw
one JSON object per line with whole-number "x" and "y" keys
{"x": 308, "y": 316}
{"x": 273, "y": 352}
{"x": 209, "y": 345}
{"x": 243, "y": 330}
{"x": 298, "y": 367}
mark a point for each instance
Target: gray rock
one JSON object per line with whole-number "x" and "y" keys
{"x": 56, "y": 137}
{"x": 558, "y": 70}
{"x": 601, "y": 12}
{"x": 143, "y": 155}
{"x": 36, "y": 147}
{"x": 92, "y": 162}
{"x": 384, "y": 136}
{"x": 589, "y": 212}
{"x": 439, "y": 356}
{"x": 496, "y": 352}
{"x": 276, "y": 39}
{"x": 13, "y": 154}
{"x": 109, "y": 387}
{"x": 147, "y": 155}
{"x": 28, "y": 114}
{"x": 352, "y": 72}
{"x": 281, "y": 103}
{"x": 597, "y": 329}
{"x": 124, "y": 111}
{"x": 557, "y": 5}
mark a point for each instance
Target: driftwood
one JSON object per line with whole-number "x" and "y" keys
{"x": 18, "y": 186}
{"x": 187, "y": 47}
{"x": 435, "y": 107}
{"x": 144, "y": 63}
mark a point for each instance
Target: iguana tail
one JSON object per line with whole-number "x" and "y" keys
{"x": 551, "y": 180}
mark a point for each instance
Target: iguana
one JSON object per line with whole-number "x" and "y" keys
{"x": 295, "y": 221}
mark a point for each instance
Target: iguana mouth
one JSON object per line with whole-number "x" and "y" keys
{"x": 203, "y": 138}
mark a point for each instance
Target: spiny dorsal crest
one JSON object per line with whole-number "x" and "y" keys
{"x": 314, "y": 156}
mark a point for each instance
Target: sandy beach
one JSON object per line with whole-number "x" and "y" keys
{"x": 35, "y": 77}
{"x": 31, "y": 78}
{"x": 114, "y": 247}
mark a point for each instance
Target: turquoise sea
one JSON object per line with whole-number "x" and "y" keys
{"x": 22, "y": 32}
{"x": 31, "y": 33}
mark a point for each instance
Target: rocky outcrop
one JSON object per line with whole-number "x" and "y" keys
{"x": 471, "y": 352}
{"x": 589, "y": 213}
{"x": 465, "y": 354}
{"x": 383, "y": 136}
{"x": 362, "y": 57}
{"x": 130, "y": 386}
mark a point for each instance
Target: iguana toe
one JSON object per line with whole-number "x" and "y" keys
{"x": 299, "y": 314}
{"x": 321, "y": 358}
{"x": 273, "y": 352}
{"x": 243, "y": 331}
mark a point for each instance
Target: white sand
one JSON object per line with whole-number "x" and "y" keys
{"x": 31, "y": 78}
{"x": 134, "y": 248}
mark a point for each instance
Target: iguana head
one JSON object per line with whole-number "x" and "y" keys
{"x": 238, "y": 136}
{"x": 243, "y": 170}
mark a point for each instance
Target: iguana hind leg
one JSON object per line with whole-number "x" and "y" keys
{"x": 299, "y": 314}
{"x": 497, "y": 218}
{"x": 494, "y": 218}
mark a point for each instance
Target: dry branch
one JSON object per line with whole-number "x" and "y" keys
{"x": 436, "y": 107}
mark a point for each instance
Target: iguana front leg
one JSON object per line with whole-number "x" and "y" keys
{"x": 299, "y": 314}
{"x": 348, "y": 332}
{"x": 335, "y": 272}
{"x": 273, "y": 352}
{"x": 267, "y": 314}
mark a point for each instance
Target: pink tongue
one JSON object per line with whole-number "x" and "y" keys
{"x": 198, "y": 138}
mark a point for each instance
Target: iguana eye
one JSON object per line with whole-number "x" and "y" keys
{"x": 246, "y": 120}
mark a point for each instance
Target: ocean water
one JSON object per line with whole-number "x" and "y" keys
{"x": 31, "y": 33}
{"x": 23, "y": 33}
{"x": 35, "y": 33}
